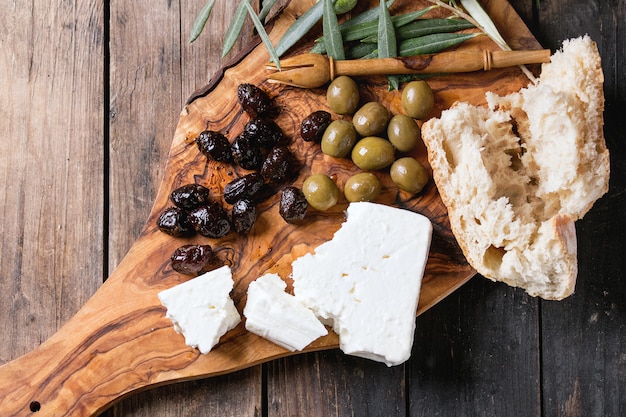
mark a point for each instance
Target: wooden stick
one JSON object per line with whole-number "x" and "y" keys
{"x": 444, "y": 62}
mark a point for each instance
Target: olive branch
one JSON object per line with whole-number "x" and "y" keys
{"x": 378, "y": 33}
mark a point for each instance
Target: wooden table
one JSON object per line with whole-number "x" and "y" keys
{"x": 90, "y": 96}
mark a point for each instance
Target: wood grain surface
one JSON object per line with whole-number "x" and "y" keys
{"x": 463, "y": 342}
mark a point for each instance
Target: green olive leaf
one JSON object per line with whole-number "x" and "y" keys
{"x": 366, "y": 16}
{"x": 265, "y": 10}
{"x": 432, "y": 44}
{"x": 300, "y": 27}
{"x": 480, "y": 15}
{"x": 387, "y": 46}
{"x": 366, "y": 29}
{"x": 262, "y": 33}
{"x": 362, "y": 30}
{"x": 360, "y": 50}
{"x": 201, "y": 19}
{"x": 332, "y": 34}
{"x": 429, "y": 26}
{"x": 236, "y": 25}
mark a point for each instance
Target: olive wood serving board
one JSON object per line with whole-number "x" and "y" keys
{"x": 120, "y": 341}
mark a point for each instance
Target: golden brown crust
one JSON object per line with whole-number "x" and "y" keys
{"x": 544, "y": 261}
{"x": 566, "y": 231}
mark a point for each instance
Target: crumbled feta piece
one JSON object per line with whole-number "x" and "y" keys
{"x": 277, "y": 316}
{"x": 366, "y": 281}
{"x": 201, "y": 309}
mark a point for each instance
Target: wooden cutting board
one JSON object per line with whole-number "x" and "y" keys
{"x": 121, "y": 342}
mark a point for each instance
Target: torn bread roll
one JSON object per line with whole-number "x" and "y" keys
{"x": 516, "y": 176}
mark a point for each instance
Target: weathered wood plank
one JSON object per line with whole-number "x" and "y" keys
{"x": 51, "y": 167}
{"x": 201, "y": 59}
{"x": 584, "y": 337}
{"x": 145, "y": 101}
{"x": 232, "y": 395}
{"x": 331, "y": 383}
{"x": 477, "y": 354}
{"x": 153, "y": 71}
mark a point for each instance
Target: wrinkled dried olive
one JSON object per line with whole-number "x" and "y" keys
{"x": 293, "y": 205}
{"x": 174, "y": 221}
{"x": 264, "y": 132}
{"x": 190, "y": 196}
{"x": 210, "y": 220}
{"x": 246, "y": 153}
{"x": 214, "y": 145}
{"x": 313, "y": 126}
{"x": 246, "y": 187}
{"x": 243, "y": 216}
{"x": 278, "y": 165}
{"x": 191, "y": 259}
{"x": 253, "y": 100}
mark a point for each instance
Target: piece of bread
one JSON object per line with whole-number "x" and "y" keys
{"x": 517, "y": 175}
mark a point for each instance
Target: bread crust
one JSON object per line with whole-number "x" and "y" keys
{"x": 514, "y": 186}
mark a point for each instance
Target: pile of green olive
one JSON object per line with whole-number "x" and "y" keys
{"x": 371, "y": 139}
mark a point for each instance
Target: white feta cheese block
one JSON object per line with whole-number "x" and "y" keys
{"x": 366, "y": 280}
{"x": 277, "y": 316}
{"x": 201, "y": 309}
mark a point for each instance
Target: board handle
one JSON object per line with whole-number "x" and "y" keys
{"x": 120, "y": 342}
{"x": 88, "y": 364}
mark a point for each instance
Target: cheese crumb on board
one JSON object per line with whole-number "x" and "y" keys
{"x": 201, "y": 309}
{"x": 366, "y": 281}
{"x": 277, "y": 316}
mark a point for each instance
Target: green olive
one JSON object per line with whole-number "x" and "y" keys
{"x": 342, "y": 95}
{"x": 372, "y": 153}
{"x": 409, "y": 175}
{"x": 418, "y": 99}
{"x": 371, "y": 119}
{"x": 320, "y": 191}
{"x": 339, "y": 138}
{"x": 403, "y": 132}
{"x": 364, "y": 186}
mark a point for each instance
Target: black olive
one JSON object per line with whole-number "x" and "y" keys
{"x": 190, "y": 196}
{"x": 278, "y": 165}
{"x": 214, "y": 145}
{"x": 293, "y": 205}
{"x": 191, "y": 259}
{"x": 313, "y": 126}
{"x": 246, "y": 187}
{"x": 174, "y": 221}
{"x": 264, "y": 132}
{"x": 210, "y": 220}
{"x": 246, "y": 153}
{"x": 243, "y": 216}
{"x": 253, "y": 100}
